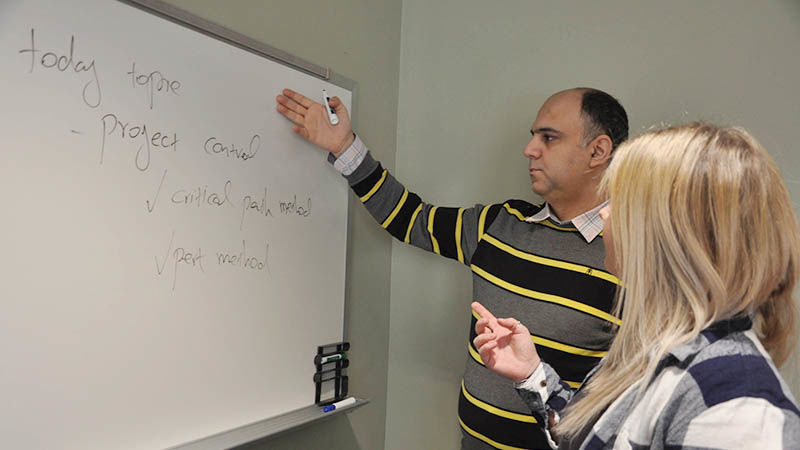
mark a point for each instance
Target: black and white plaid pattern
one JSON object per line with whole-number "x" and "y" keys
{"x": 720, "y": 391}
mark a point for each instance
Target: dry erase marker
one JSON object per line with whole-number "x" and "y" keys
{"x": 331, "y": 112}
{"x": 340, "y": 404}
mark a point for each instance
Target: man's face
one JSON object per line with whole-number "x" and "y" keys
{"x": 558, "y": 158}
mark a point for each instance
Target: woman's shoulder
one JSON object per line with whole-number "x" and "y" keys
{"x": 735, "y": 366}
{"x": 728, "y": 395}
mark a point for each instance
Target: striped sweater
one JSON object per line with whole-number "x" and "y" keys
{"x": 544, "y": 274}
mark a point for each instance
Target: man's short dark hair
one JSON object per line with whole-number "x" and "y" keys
{"x": 603, "y": 114}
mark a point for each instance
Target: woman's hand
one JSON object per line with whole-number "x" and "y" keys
{"x": 505, "y": 345}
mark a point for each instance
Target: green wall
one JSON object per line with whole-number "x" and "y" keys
{"x": 472, "y": 77}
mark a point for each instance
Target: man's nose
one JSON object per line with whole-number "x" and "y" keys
{"x": 532, "y": 150}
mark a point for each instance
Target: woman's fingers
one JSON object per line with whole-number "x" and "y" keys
{"x": 485, "y": 314}
{"x": 487, "y": 351}
{"x": 482, "y": 339}
{"x": 514, "y": 325}
{"x": 482, "y": 326}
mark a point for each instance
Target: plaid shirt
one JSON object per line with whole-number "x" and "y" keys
{"x": 589, "y": 224}
{"x": 719, "y": 391}
{"x": 350, "y": 159}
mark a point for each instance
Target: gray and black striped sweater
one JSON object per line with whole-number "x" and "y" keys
{"x": 544, "y": 274}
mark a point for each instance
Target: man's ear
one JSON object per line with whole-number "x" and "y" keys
{"x": 600, "y": 147}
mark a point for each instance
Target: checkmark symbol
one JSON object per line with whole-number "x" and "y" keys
{"x": 147, "y": 202}
{"x": 160, "y": 267}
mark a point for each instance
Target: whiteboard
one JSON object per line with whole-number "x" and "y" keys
{"x": 172, "y": 253}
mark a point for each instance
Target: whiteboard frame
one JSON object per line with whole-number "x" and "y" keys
{"x": 270, "y": 427}
{"x": 266, "y": 429}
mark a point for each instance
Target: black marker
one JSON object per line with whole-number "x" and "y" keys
{"x": 331, "y": 113}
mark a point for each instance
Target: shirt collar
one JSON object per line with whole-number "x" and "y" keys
{"x": 713, "y": 333}
{"x": 589, "y": 224}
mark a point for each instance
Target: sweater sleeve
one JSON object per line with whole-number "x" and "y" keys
{"x": 448, "y": 231}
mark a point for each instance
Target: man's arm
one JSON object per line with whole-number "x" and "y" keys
{"x": 450, "y": 232}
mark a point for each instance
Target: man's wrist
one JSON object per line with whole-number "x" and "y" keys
{"x": 345, "y": 145}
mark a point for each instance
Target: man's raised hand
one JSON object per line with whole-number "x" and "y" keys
{"x": 311, "y": 121}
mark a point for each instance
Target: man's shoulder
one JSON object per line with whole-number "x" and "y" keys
{"x": 515, "y": 209}
{"x": 524, "y": 208}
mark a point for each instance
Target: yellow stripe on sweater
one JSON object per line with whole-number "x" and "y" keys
{"x": 495, "y": 410}
{"x": 459, "y": 220}
{"x": 549, "y": 262}
{"x": 482, "y": 222}
{"x": 391, "y": 217}
{"x": 514, "y": 212}
{"x": 375, "y": 188}
{"x": 572, "y": 304}
{"x": 434, "y": 242}
{"x": 485, "y": 439}
{"x": 411, "y": 224}
{"x": 548, "y": 223}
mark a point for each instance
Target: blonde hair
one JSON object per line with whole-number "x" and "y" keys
{"x": 702, "y": 229}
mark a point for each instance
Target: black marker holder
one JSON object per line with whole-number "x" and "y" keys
{"x": 331, "y": 371}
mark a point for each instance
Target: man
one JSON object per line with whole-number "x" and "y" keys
{"x": 541, "y": 264}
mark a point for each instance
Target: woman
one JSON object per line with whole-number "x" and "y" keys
{"x": 701, "y": 233}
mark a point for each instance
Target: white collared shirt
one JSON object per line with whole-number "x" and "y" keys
{"x": 589, "y": 224}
